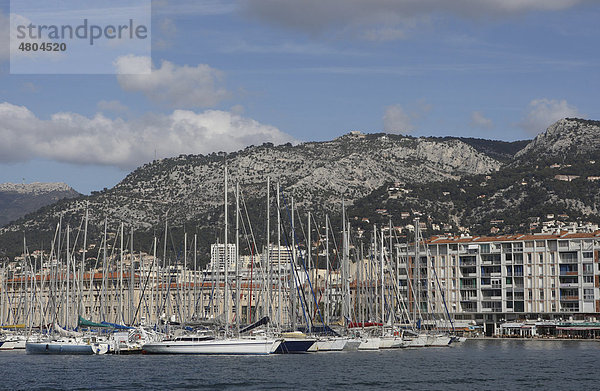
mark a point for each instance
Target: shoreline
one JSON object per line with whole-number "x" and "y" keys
{"x": 532, "y": 339}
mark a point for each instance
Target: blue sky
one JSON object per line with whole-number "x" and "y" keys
{"x": 232, "y": 73}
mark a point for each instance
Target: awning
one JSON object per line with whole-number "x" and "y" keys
{"x": 87, "y": 323}
{"x": 13, "y": 326}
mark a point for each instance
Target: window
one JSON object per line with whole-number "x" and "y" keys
{"x": 541, "y": 258}
{"x": 541, "y": 294}
{"x": 518, "y": 258}
{"x": 588, "y": 294}
{"x": 518, "y": 247}
{"x": 588, "y": 279}
{"x": 588, "y": 268}
{"x": 529, "y": 258}
{"x": 588, "y": 254}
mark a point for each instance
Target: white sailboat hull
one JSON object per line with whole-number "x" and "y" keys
{"x": 371, "y": 343}
{"x": 352, "y": 344}
{"x": 418, "y": 341}
{"x": 440, "y": 340}
{"x": 391, "y": 342}
{"x": 214, "y": 346}
{"x": 15, "y": 343}
{"x": 331, "y": 345}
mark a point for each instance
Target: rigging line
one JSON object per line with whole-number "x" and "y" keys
{"x": 253, "y": 250}
{"x": 301, "y": 295}
{"x": 304, "y": 266}
{"x": 144, "y": 290}
{"x": 442, "y": 293}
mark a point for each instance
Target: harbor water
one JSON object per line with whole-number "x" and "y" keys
{"x": 473, "y": 365}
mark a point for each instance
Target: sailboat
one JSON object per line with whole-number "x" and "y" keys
{"x": 215, "y": 345}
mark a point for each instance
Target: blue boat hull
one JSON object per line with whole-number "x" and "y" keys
{"x": 58, "y": 348}
{"x": 295, "y": 346}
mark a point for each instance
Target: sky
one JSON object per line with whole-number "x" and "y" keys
{"x": 232, "y": 73}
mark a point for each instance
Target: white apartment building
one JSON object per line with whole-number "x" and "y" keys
{"x": 495, "y": 279}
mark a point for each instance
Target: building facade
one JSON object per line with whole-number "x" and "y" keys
{"x": 495, "y": 279}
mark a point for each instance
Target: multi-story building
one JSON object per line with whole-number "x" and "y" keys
{"x": 217, "y": 257}
{"x": 495, "y": 279}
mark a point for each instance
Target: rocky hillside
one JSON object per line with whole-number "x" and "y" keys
{"x": 453, "y": 185}
{"x": 17, "y": 200}
{"x": 319, "y": 175}
{"x": 556, "y": 177}
{"x": 316, "y": 174}
{"x": 567, "y": 140}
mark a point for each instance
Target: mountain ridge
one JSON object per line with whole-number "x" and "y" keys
{"x": 447, "y": 180}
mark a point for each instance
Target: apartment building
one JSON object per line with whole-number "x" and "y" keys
{"x": 495, "y": 279}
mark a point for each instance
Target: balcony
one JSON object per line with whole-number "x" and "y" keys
{"x": 569, "y": 298}
{"x": 568, "y": 285}
{"x": 569, "y": 309}
{"x": 569, "y": 273}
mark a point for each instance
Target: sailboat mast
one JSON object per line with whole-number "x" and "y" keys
{"x": 121, "y": 304}
{"x": 292, "y": 284}
{"x": 226, "y": 258}
{"x": 279, "y": 299}
{"x": 418, "y": 265}
{"x": 327, "y": 282}
{"x": 186, "y": 290}
{"x": 132, "y": 281}
{"x": 238, "y": 311}
{"x": 382, "y": 286}
{"x": 195, "y": 276}
{"x": 82, "y": 269}
{"x": 154, "y": 297}
{"x": 268, "y": 255}
{"x": 308, "y": 255}
{"x": 164, "y": 262}
{"x": 104, "y": 266}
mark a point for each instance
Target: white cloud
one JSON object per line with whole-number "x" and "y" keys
{"x": 389, "y": 17}
{"x": 73, "y": 138}
{"x": 478, "y": 120}
{"x": 132, "y": 65}
{"x": 544, "y": 112}
{"x": 113, "y": 106}
{"x": 397, "y": 120}
{"x": 172, "y": 85}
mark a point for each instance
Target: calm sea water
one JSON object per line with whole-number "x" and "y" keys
{"x": 474, "y": 365}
